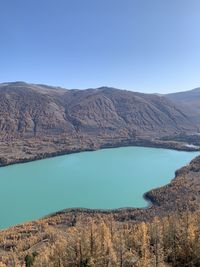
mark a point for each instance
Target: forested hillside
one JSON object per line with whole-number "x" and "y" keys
{"x": 101, "y": 241}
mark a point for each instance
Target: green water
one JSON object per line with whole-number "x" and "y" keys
{"x": 108, "y": 178}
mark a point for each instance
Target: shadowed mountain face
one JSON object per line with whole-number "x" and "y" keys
{"x": 188, "y": 101}
{"x": 28, "y": 111}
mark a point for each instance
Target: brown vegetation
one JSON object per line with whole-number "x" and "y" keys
{"x": 102, "y": 241}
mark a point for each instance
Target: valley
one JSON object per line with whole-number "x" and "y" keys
{"x": 40, "y": 121}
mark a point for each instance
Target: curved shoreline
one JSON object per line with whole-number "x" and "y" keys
{"x": 172, "y": 197}
{"x": 174, "y": 145}
{"x": 156, "y": 205}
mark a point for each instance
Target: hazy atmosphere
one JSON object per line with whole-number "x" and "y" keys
{"x": 146, "y": 46}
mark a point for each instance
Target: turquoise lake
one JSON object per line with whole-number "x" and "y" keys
{"x": 105, "y": 179}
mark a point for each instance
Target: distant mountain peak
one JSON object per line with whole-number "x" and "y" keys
{"x": 17, "y": 83}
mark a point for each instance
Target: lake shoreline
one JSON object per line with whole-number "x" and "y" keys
{"x": 160, "y": 201}
{"x": 174, "y": 145}
{"x": 180, "y": 195}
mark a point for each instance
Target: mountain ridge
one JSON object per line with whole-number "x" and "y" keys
{"x": 188, "y": 100}
{"x": 103, "y": 97}
{"x": 44, "y": 120}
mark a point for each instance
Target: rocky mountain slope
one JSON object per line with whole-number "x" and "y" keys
{"x": 45, "y": 120}
{"x": 35, "y": 111}
{"x": 188, "y": 101}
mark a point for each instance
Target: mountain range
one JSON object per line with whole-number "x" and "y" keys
{"x": 39, "y": 119}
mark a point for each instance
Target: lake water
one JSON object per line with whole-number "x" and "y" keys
{"x": 106, "y": 179}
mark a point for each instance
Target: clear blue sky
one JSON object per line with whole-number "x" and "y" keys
{"x": 142, "y": 45}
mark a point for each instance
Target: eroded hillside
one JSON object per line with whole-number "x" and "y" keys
{"x": 38, "y": 121}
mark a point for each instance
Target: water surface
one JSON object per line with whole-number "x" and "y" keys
{"x": 106, "y": 179}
